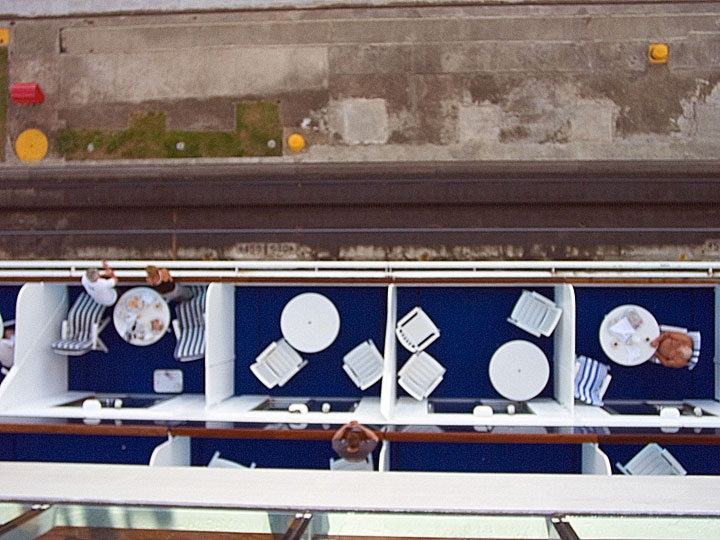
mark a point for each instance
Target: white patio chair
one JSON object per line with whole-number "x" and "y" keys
{"x": 224, "y": 463}
{"x": 364, "y": 364}
{"x": 277, "y": 364}
{"x": 535, "y": 314}
{"x": 416, "y": 331}
{"x": 189, "y": 327}
{"x": 342, "y": 464}
{"x": 653, "y": 460}
{"x": 80, "y": 332}
{"x": 420, "y": 375}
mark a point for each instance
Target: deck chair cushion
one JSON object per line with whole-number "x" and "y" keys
{"x": 191, "y": 325}
{"x": 84, "y": 323}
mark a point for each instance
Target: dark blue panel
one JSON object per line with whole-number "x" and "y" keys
{"x": 82, "y": 448}
{"x": 473, "y": 324}
{"x": 8, "y": 299}
{"x": 477, "y": 457}
{"x": 699, "y": 459}
{"x": 268, "y": 453}
{"x": 128, "y": 368}
{"x": 257, "y": 313}
{"x": 691, "y": 308}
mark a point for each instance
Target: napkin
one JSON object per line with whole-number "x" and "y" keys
{"x": 622, "y": 330}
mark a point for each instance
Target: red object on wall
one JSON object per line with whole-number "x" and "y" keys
{"x": 26, "y": 93}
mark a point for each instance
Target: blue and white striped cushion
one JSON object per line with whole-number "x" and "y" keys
{"x": 191, "y": 317}
{"x": 82, "y": 315}
{"x": 590, "y": 384}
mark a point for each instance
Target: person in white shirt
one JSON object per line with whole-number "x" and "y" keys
{"x": 101, "y": 287}
{"x": 7, "y": 350}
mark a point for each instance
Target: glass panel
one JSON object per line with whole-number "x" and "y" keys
{"x": 9, "y": 511}
{"x": 645, "y": 528}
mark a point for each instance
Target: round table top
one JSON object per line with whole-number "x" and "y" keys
{"x": 141, "y": 316}
{"x": 310, "y": 322}
{"x": 519, "y": 370}
{"x": 636, "y": 349}
{"x": 31, "y": 145}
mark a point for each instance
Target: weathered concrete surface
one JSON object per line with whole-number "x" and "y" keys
{"x": 479, "y": 83}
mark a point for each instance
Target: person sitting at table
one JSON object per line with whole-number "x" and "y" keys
{"x": 354, "y": 441}
{"x": 677, "y": 348}
{"x": 101, "y": 287}
{"x": 7, "y": 350}
{"x": 161, "y": 280}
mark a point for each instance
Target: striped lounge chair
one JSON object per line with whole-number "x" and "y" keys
{"x": 189, "y": 326}
{"x": 81, "y": 330}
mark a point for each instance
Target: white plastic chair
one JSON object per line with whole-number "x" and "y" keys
{"x": 342, "y": 464}
{"x": 535, "y": 314}
{"x": 277, "y": 364}
{"x": 224, "y": 463}
{"x": 416, "y": 331}
{"x": 420, "y": 375}
{"x": 364, "y": 364}
{"x": 653, "y": 460}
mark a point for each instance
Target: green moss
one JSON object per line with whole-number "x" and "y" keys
{"x": 146, "y": 138}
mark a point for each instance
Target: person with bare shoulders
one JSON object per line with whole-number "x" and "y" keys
{"x": 161, "y": 280}
{"x": 674, "y": 349}
{"x": 354, "y": 441}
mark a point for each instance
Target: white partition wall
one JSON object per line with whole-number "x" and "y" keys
{"x": 388, "y": 391}
{"x": 38, "y": 372}
{"x": 564, "y": 348}
{"x": 594, "y": 460}
{"x": 219, "y": 343}
{"x": 175, "y": 452}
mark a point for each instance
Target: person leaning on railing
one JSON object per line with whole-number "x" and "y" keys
{"x": 161, "y": 280}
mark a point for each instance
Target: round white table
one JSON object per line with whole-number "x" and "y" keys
{"x": 519, "y": 370}
{"x": 141, "y": 316}
{"x": 628, "y": 349}
{"x": 310, "y": 322}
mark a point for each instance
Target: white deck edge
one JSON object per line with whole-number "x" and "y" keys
{"x": 319, "y": 490}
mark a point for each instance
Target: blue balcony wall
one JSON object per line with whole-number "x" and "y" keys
{"x": 473, "y": 324}
{"x": 8, "y": 299}
{"x": 363, "y": 312}
{"x": 691, "y": 308}
{"x": 128, "y": 368}
{"x": 479, "y": 457}
{"x": 698, "y": 459}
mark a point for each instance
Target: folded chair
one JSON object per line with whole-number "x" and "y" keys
{"x": 535, "y": 314}
{"x": 416, "y": 331}
{"x": 420, "y": 375}
{"x": 653, "y": 460}
{"x": 189, "y": 326}
{"x": 364, "y": 364}
{"x": 81, "y": 330}
{"x": 342, "y": 464}
{"x": 277, "y": 364}
{"x": 224, "y": 463}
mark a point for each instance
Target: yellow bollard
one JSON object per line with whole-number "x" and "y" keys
{"x": 31, "y": 145}
{"x": 658, "y": 53}
{"x": 296, "y": 142}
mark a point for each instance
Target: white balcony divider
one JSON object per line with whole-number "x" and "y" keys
{"x": 564, "y": 348}
{"x": 594, "y": 460}
{"x": 38, "y": 371}
{"x": 175, "y": 452}
{"x": 384, "y": 457}
{"x": 219, "y": 343}
{"x": 388, "y": 389}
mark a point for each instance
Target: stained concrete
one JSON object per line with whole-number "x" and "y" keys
{"x": 562, "y": 82}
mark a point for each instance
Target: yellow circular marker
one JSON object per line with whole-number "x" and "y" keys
{"x": 658, "y": 53}
{"x": 31, "y": 145}
{"x": 296, "y": 142}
